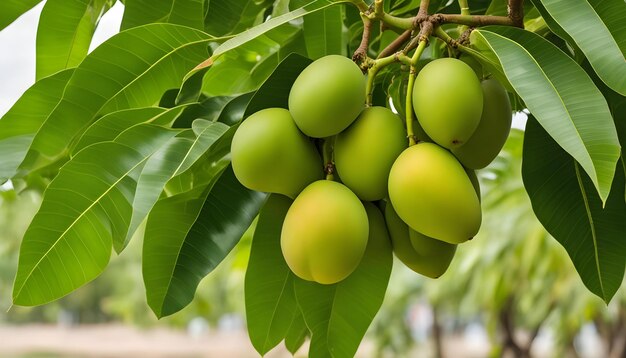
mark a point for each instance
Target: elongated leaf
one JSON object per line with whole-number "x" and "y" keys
{"x": 297, "y": 333}
{"x": 182, "y": 12}
{"x": 172, "y": 159}
{"x": 259, "y": 30}
{"x": 322, "y": 32}
{"x": 19, "y": 125}
{"x": 84, "y": 208}
{"x": 187, "y": 239}
{"x": 232, "y": 17}
{"x": 564, "y": 201}
{"x": 600, "y": 35}
{"x": 12, "y": 9}
{"x": 112, "y": 78}
{"x": 63, "y": 41}
{"x": 111, "y": 125}
{"x": 562, "y": 97}
{"x": 338, "y": 315}
{"x": 270, "y": 301}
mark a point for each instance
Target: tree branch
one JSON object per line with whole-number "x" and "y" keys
{"x": 472, "y": 20}
{"x": 515, "y": 9}
{"x": 396, "y": 44}
{"x": 360, "y": 54}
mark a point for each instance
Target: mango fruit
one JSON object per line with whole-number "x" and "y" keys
{"x": 448, "y": 100}
{"x": 494, "y": 127}
{"x": 365, "y": 151}
{"x": 432, "y": 193}
{"x": 325, "y": 233}
{"x": 327, "y": 96}
{"x": 270, "y": 154}
{"x": 420, "y": 253}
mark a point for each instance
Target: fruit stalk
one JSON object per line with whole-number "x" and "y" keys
{"x": 409, "y": 93}
{"x": 371, "y": 75}
{"x": 327, "y": 152}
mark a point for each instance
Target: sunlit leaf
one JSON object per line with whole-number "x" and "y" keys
{"x": 182, "y": 12}
{"x": 12, "y": 9}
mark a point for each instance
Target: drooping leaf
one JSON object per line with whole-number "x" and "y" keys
{"x": 564, "y": 200}
{"x": 84, "y": 209}
{"x": 297, "y": 333}
{"x": 323, "y": 31}
{"x": 172, "y": 159}
{"x": 112, "y": 78}
{"x": 232, "y": 17}
{"x": 597, "y": 27}
{"x": 19, "y": 125}
{"x": 269, "y": 294}
{"x": 182, "y": 12}
{"x": 338, "y": 315}
{"x": 561, "y": 96}
{"x": 186, "y": 238}
{"x": 10, "y": 10}
{"x": 63, "y": 41}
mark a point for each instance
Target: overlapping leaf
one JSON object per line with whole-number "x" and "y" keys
{"x": 12, "y": 9}
{"x": 85, "y": 208}
{"x": 63, "y": 41}
{"x": 19, "y": 125}
{"x": 564, "y": 200}
{"x": 597, "y": 27}
{"x": 270, "y": 301}
{"x": 562, "y": 97}
{"x": 112, "y": 78}
{"x": 322, "y": 31}
{"x": 182, "y": 12}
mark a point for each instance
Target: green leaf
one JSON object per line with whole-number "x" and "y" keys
{"x": 297, "y": 333}
{"x": 231, "y": 17}
{"x": 564, "y": 200}
{"x": 19, "y": 125}
{"x": 338, "y": 315}
{"x": 187, "y": 238}
{"x": 63, "y": 41}
{"x": 172, "y": 159}
{"x": 270, "y": 24}
{"x": 84, "y": 209}
{"x": 562, "y": 97}
{"x": 269, "y": 295}
{"x": 323, "y": 32}
{"x": 12, "y": 9}
{"x": 597, "y": 27}
{"x": 182, "y": 12}
{"x": 111, "y": 125}
{"x": 112, "y": 78}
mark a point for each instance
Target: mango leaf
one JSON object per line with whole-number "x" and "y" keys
{"x": 269, "y": 295}
{"x": 111, "y": 125}
{"x": 172, "y": 159}
{"x": 562, "y": 97}
{"x": 564, "y": 200}
{"x": 597, "y": 27}
{"x": 338, "y": 315}
{"x": 231, "y": 17}
{"x": 84, "y": 208}
{"x": 322, "y": 31}
{"x": 63, "y": 41}
{"x": 270, "y": 24}
{"x": 297, "y": 333}
{"x": 182, "y": 12}
{"x": 10, "y": 10}
{"x": 112, "y": 78}
{"x": 187, "y": 238}
{"x": 19, "y": 125}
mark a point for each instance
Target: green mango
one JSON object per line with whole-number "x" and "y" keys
{"x": 420, "y": 253}
{"x": 270, "y": 154}
{"x": 494, "y": 127}
{"x": 448, "y": 101}
{"x": 325, "y": 233}
{"x": 432, "y": 193}
{"x": 327, "y": 96}
{"x": 365, "y": 151}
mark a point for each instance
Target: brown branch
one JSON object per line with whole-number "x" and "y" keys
{"x": 472, "y": 20}
{"x": 395, "y": 44}
{"x": 515, "y": 9}
{"x": 360, "y": 54}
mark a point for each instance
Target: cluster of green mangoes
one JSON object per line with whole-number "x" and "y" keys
{"x": 432, "y": 199}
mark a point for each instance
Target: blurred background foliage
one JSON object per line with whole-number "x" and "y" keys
{"x": 513, "y": 287}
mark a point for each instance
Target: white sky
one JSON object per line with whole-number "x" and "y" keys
{"x": 17, "y": 51}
